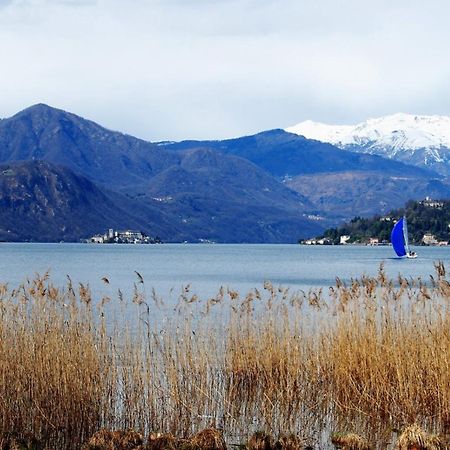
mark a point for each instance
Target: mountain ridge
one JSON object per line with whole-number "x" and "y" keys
{"x": 43, "y": 202}
{"x": 284, "y": 154}
{"x": 273, "y": 186}
{"x": 153, "y": 179}
{"x": 415, "y": 139}
{"x": 63, "y": 138}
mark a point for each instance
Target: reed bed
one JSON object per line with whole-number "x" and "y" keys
{"x": 371, "y": 356}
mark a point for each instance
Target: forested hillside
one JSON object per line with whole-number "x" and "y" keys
{"x": 427, "y": 216}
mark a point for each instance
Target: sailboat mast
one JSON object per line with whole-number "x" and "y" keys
{"x": 405, "y": 234}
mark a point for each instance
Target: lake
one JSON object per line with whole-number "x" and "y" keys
{"x": 206, "y": 267}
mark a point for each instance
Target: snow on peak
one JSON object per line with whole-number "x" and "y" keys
{"x": 391, "y": 133}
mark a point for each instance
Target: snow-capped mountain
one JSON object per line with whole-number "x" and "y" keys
{"x": 419, "y": 140}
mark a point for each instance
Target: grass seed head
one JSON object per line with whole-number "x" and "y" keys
{"x": 412, "y": 438}
{"x": 350, "y": 441}
{"x": 208, "y": 439}
{"x": 437, "y": 442}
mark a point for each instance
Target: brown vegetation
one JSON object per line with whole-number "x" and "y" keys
{"x": 350, "y": 441}
{"x": 208, "y": 439}
{"x": 289, "y": 442}
{"x": 369, "y": 355}
{"x": 264, "y": 441}
{"x": 260, "y": 441}
{"x": 115, "y": 440}
{"x": 159, "y": 441}
{"x": 415, "y": 438}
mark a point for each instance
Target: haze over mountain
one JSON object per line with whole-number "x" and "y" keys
{"x": 419, "y": 140}
{"x": 274, "y": 186}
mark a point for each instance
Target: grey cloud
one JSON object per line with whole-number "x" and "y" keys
{"x": 73, "y": 3}
{"x": 173, "y": 69}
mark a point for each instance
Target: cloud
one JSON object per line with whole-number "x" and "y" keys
{"x": 173, "y": 69}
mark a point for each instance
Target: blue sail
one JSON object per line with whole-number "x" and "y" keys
{"x": 398, "y": 239}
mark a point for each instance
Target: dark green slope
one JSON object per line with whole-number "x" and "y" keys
{"x": 422, "y": 217}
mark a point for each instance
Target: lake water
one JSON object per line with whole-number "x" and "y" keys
{"x": 169, "y": 267}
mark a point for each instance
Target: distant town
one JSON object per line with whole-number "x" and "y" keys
{"x": 123, "y": 237}
{"x": 345, "y": 239}
{"x": 428, "y": 224}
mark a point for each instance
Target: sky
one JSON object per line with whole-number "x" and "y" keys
{"x": 212, "y": 69}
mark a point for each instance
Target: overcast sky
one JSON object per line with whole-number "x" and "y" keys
{"x": 178, "y": 69}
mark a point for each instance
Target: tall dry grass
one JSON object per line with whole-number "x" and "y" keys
{"x": 371, "y": 356}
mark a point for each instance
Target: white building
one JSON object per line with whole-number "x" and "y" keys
{"x": 432, "y": 203}
{"x": 429, "y": 239}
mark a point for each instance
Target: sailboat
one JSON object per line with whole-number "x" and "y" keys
{"x": 399, "y": 239}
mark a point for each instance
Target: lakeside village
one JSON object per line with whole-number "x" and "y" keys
{"x": 431, "y": 226}
{"x": 123, "y": 237}
{"x": 345, "y": 239}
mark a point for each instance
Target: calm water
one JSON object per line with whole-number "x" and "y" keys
{"x": 205, "y": 267}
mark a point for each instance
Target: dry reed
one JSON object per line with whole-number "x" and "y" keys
{"x": 350, "y": 441}
{"x": 115, "y": 440}
{"x": 370, "y": 355}
{"x": 289, "y": 442}
{"x": 260, "y": 441}
{"x": 415, "y": 438}
{"x": 158, "y": 441}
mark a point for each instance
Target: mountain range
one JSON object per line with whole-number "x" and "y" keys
{"x": 40, "y": 201}
{"x": 285, "y": 154}
{"x": 63, "y": 177}
{"x": 414, "y": 139}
